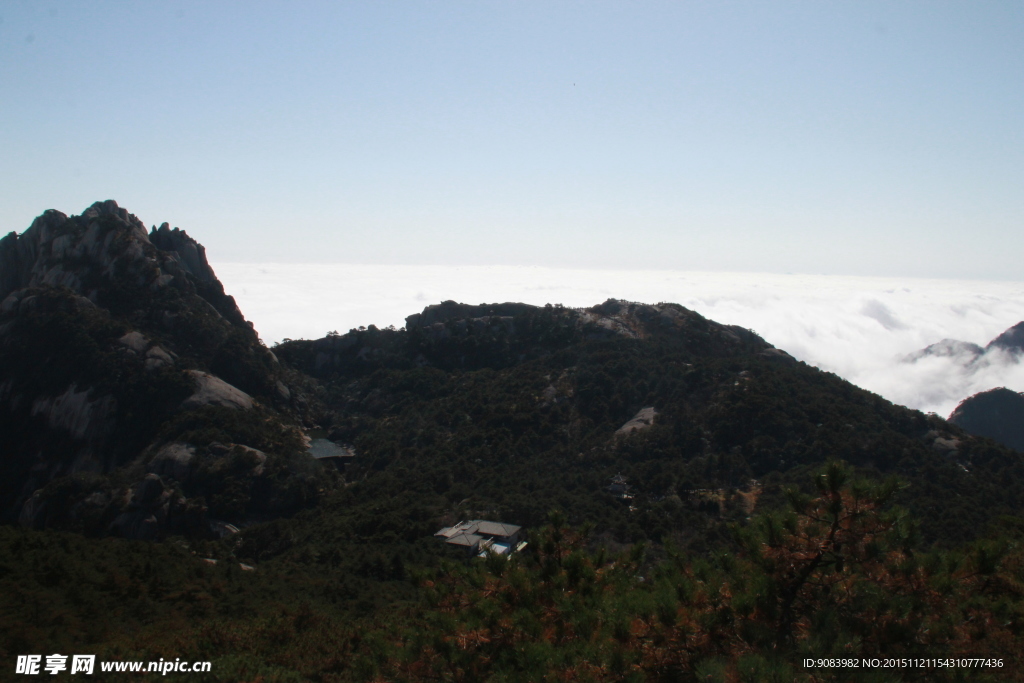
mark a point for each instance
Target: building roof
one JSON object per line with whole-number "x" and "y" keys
{"x": 469, "y": 533}
{"x": 465, "y": 539}
{"x": 495, "y": 528}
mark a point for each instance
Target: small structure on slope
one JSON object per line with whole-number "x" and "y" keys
{"x": 620, "y": 488}
{"x": 479, "y": 536}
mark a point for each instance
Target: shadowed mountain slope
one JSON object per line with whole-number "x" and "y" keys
{"x": 714, "y": 538}
{"x": 996, "y": 413}
{"x": 122, "y": 361}
{"x": 514, "y": 409}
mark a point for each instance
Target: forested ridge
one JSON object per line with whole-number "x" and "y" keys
{"x": 161, "y": 503}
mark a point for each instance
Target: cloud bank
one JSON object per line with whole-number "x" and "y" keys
{"x": 860, "y": 328}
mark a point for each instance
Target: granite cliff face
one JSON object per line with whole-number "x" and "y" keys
{"x": 115, "y": 341}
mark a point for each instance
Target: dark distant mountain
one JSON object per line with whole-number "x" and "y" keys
{"x": 948, "y": 348}
{"x": 996, "y": 413}
{"x": 967, "y": 353}
{"x": 993, "y": 413}
{"x": 134, "y": 396}
{"x": 1011, "y": 341}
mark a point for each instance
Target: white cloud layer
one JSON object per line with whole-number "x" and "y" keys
{"x": 857, "y": 327}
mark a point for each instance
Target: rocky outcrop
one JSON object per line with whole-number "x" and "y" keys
{"x": 76, "y": 413}
{"x": 135, "y": 341}
{"x": 105, "y": 250}
{"x": 777, "y": 355}
{"x": 214, "y": 391}
{"x": 642, "y": 420}
{"x": 81, "y": 252}
{"x": 174, "y": 460}
{"x": 157, "y": 357}
{"x": 255, "y": 458}
{"x": 189, "y": 253}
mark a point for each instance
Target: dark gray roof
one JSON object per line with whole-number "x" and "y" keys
{"x": 465, "y": 539}
{"x": 469, "y": 533}
{"x": 495, "y": 528}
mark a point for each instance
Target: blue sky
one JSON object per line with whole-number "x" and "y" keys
{"x": 857, "y": 138}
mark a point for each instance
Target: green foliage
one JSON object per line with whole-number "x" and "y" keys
{"x": 831, "y": 578}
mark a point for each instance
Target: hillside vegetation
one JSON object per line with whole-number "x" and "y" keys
{"x": 161, "y": 501}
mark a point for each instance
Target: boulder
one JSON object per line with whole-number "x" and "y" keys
{"x": 212, "y": 390}
{"x": 75, "y": 412}
{"x": 173, "y": 460}
{"x": 778, "y": 355}
{"x": 256, "y": 457}
{"x": 156, "y": 357}
{"x": 642, "y": 420}
{"x": 283, "y": 391}
{"x": 136, "y": 341}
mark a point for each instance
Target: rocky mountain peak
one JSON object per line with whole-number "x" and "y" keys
{"x": 109, "y": 333}
{"x": 84, "y": 253}
{"x": 105, "y": 254}
{"x": 191, "y": 255}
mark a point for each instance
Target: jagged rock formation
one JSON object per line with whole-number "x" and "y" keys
{"x": 87, "y": 253}
{"x": 115, "y": 340}
{"x": 191, "y": 255}
{"x": 996, "y": 413}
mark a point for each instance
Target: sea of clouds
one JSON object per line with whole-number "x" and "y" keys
{"x": 860, "y": 328}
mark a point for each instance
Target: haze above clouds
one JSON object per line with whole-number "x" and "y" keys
{"x": 857, "y": 327}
